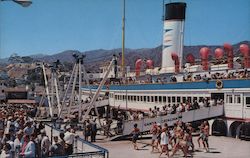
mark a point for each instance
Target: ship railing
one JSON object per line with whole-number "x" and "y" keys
{"x": 165, "y": 114}
{"x": 189, "y": 116}
{"x": 169, "y": 82}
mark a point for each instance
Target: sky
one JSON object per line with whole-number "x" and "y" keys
{"x": 53, "y": 26}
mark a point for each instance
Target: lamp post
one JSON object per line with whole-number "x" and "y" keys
{"x": 24, "y": 3}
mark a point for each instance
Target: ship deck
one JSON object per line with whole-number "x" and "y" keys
{"x": 211, "y": 84}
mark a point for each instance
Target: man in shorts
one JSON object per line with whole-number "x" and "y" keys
{"x": 153, "y": 131}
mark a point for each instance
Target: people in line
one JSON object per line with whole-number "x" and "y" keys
{"x": 153, "y": 131}
{"x": 164, "y": 141}
{"x": 188, "y": 77}
{"x": 169, "y": 140}
{"x": 175, "y": 108}
{"x": 90, "y": 130}
{"x": 135, "y": 134}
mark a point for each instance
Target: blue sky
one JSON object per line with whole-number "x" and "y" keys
{"x": 52, "y": 26}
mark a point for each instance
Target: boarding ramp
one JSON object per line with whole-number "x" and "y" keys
{"x": 77, "y": 108}
{"x": 81, "y": 147}
{"x": 190, "y": 116}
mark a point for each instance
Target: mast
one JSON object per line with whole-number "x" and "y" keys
{"x": 123, "y": 40}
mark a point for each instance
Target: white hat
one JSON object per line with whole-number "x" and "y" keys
{"x": 42, "y": 131}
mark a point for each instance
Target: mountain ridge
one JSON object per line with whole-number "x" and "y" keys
{"x": 95, "y": 58}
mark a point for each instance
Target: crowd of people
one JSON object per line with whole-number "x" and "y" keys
{"x": 179, "y": 137}
{"x": 176, "y": 108}
{"x": 217, "y": 75}
{"x": 23, "y": 136}
{"x": 190, "y": 77}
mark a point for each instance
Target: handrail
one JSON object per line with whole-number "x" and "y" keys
{"x": 94, "y": 145}
{"x": 145, "y": 117}
{"x": 101, "y": 150}
{"x": 189, "y": 116}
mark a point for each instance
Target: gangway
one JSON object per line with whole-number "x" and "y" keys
{"x": 81, "y": 107}
{"x": 190, "y": 116}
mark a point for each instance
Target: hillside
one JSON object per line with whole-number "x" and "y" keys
{"x": 95, "y": 58}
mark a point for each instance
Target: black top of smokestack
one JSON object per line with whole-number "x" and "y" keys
{"x": 175, "y": 11}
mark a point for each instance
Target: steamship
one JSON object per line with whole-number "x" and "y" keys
{"x": 235, "y": 92}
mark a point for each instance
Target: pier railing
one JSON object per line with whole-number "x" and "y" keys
{"x": 81, "y": 147}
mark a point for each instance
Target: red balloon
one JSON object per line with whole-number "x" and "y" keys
{"x": 218, "y": 53}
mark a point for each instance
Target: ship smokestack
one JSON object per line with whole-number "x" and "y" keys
{"x": 173, "y": 34}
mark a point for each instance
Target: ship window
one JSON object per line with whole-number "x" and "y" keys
{"x": 145, "y": 99}
{"x": 152, "y": 99}
{"x": 184, "y": 99}
{"x": 178, "y": 99}
{"x": 229, "y": 99}
{"x": 115, "y": 97}
{"x": 248, "y": 101}
{"x": 169, "y": 99}
{"x": 200, "y": 98}
{"x": 134, "y": 98}
{"x": 189, "y": 99}
{"x": 148, "y": 99}
{"x": 173, "y": 99}
{"x": 141, "y": 98}
{"x": 237, "y": 99}
{"x": 123, "y": 97}
{"x": 164, "y": 99}
{"x": 160, "y": 98}
{"x": 138, "y": 98}
{"x": 195, "y": 98}
{"x": 129, "y": 98}
{"x": 156, "y": 98}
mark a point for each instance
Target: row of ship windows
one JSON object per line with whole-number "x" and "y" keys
{"x": 174, "y": 99}
{"x": 164, "y": 99}
{"x": 236, "y": 100}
